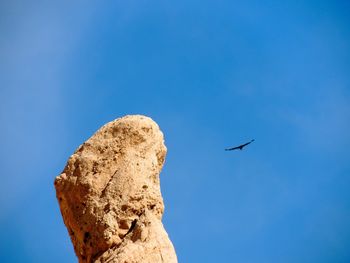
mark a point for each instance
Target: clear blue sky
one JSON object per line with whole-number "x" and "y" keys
{"x": 213, "y": 74}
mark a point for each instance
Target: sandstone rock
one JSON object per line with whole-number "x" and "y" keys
{"x": 109, "y": 194}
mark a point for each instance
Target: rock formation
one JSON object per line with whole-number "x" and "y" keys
{"x": 109, "y": 195}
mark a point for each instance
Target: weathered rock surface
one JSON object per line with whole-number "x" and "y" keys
{"x": 109, "y": 194}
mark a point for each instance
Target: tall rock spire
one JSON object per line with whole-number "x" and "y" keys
{"x": 109, "y": 194}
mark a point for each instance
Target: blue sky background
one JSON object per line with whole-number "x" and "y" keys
{"x": 213, "y": 74}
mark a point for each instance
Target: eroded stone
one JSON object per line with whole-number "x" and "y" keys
{"x": 109, "y": 194}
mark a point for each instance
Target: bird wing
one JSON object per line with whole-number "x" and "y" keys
{"x": 234, "y": 148}
{"x": 245, "y": 144}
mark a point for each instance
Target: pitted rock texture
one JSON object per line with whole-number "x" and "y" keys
{"x": 109, "y": 194}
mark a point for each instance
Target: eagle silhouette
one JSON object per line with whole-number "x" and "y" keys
{"x": 240, "y": 147}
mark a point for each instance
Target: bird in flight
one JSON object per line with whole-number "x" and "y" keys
{"x": 240, "y": 147}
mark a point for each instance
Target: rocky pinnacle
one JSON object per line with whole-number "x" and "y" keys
{"x": 109, "y": 195}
